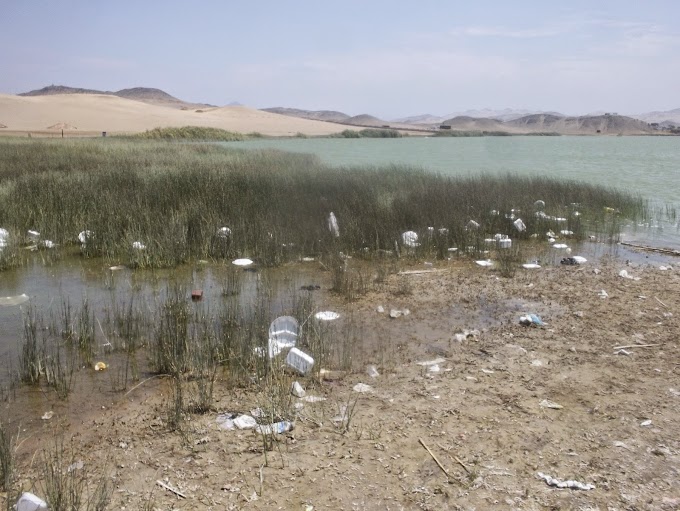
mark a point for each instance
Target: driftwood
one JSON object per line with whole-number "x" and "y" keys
{"x": 433, "y": 457}
{"x": 646, "y": 248}
{"x": 418, "y": 272}
{"x": 170, "y": 488}
{"x": 635, "y": 346}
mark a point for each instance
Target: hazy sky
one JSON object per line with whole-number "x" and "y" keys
{"x": 387, "y": 58}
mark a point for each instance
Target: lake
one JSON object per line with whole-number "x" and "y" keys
{"x": 649, "y": 166}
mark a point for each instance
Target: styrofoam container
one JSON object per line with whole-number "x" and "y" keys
{"x": 29, "y": 502}
{"x": 505, "y": 243}
{"x": 299, "y": 361}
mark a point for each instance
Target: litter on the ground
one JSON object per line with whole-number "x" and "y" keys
{"x": 223, "y": 232}
{"x": 326, "y": 315}
{"x": 531, "y": 266}
{"x": 242, "y": 262}
{"x": 78, "y": 465}
{"x": 550, "y": 404}
{"x": 486, "y": 263}
{"x": 47, "y": 416}
{"x": 297, "y": 390}
{"x": 624, "y": 274}
{"x": 380, "y": 309}
{"x": 472, "y": 225}
{"x": 117, "y": 267}
{"x": 226, "y": 421}
{"x": 245, "y": 422}
{"x": 100, "y": 366}
{"x": 575, "y": 260}
{"x": 646, "y": 423}
{"x": 84, "y": 236}
{"x": 275, "y": 428}
{"x": 519, "y": 225}
{"x": 372, "y": 371}
{"x": 33, "y": 235}
{"x": 428, "y": 363}
{"x": 30, "y": 502}
{"x": 362, "y": 388}
{"x": 410, "y": 239}
{"x": 531, "y": 319}
{"x": 138, "y": 245}
{"x": 312, "y": 399}
{"x": 395, "y": 313}
{"x": 299, "y": 361}
{"x": 196, "y": 295}
{"x": 283, "y": 332}
{"x": 557, "y": 483}
{"x": 539, "y": 204}
{"x": 560, "y": 245}
{"x": 603, "y": 294}
{"x": 333, "y": 225}
{"x": 14, "y": 300}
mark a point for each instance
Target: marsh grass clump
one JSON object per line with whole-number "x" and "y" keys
{"x": 7, "y": 458}
{"x": 67, "y": 485}
{"x": 174, "y": 200}
{"x": 199, "y": 133}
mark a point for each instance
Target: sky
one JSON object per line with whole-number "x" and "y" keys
{"x": 390, "y": 59}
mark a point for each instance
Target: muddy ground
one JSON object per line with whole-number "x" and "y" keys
{"x": 611, "y": 420}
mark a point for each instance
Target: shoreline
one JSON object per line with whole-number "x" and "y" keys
{"x": 482, "y": 406}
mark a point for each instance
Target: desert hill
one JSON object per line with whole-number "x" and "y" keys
{"x": 424, "y": 119}
{"x": 316, "y": 115}
{"x": 144, "y": 94}
{"x": 465, "y": 123}
{"x": 365, "y": 120}
{"x": 672, "y": 116}
{"x": 95, "y": 113}
{"x": 584, "y": 125}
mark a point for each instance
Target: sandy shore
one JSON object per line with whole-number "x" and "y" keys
{"x": 507, "y": 402}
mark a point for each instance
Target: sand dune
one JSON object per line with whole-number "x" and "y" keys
{"x": 97, "y": 113}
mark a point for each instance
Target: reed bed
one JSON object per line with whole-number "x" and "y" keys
{"x": 172, "y": 199}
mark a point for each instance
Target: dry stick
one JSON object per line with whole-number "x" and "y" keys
{"x": 433, "y": 457}
{"x": 666, "y": 306}
{"x": 635, "y": 346}
{"x": 143, "y": 382}
{"x": 456, "y": 458}
{"x": 170, "y": 488}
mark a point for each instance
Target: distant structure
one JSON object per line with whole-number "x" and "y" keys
{"x": 445, "y": 127}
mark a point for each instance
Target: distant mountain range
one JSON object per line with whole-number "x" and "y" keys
{"x": 506, "y": 114}
{"x": 507, "y": 119}
{"x": 143, "y": 94}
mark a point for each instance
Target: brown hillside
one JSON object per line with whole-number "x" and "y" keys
{"x": 465, "y": 123}
{"x": 584, "y": 125}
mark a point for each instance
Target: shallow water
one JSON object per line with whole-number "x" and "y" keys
{"x": 75, "y": 280}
